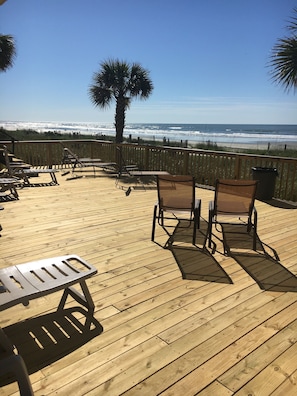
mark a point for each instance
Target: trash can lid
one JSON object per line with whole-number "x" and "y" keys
{"x": 263, "y": 169}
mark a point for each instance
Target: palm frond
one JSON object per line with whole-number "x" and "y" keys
{"x": 293, "y": 22}
{"x": 283, "y": 60}
{"x": 122, "y": 82}
{"x": 7, "y": 51}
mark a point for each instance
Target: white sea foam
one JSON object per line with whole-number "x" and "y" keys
{"x": 220, "y": 134}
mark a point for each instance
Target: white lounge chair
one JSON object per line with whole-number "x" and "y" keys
{"x": 24, "y": 282}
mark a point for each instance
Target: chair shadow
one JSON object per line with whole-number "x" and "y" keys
{"x": 195, "y": 261}
{"x": 195, "y": 264}
{"x": 47, "y": 338}
{"x": 41, "y": 184}
{"x": 265, "y": 268}
{"x": 137, "y": 183}
{"x": 7, "y": 198}
{"x": 277, "y": 203}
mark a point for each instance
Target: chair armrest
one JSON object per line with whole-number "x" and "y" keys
{"x": 211, "y": 205}
{"x": 197, "y": 203}
{"x": 210, "y": 216}
{"x": 255, "y": 217}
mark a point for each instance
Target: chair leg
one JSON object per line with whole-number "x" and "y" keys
{"x": 255, "y": 240}
{"x": 14, "y": 192}
{"x": 154, "y": 223}
{"x": 209, "y": 229}
{"x": 16, "y": 364}
{"x": 194, "y": 228}
{"x": 255, "y": 226}
{"x": 13, "y": 363}
{"x": 54, "y": 179}
{"x": 197, "y": 215}
{"x": 83, "y": 298}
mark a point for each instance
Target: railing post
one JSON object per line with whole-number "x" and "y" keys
{"x": 186, "y": 163}
{"x": 49, "y": 155}
{"x": 237, "y": 167}
{"x": 146, "y": 158}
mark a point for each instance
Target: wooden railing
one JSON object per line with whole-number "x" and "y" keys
{"x": 205, "y": 165}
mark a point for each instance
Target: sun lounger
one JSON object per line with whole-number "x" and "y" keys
{"x": 70, "y": 158}
{"x": 139, "y": 173}
{"x": 24, "y": 282}
{"x": 8, "y": 184}
{"x": 131, "y": 170}
{"x": 24, "y": 172}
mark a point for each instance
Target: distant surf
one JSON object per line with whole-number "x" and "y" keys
{"x": 221, "y": 134}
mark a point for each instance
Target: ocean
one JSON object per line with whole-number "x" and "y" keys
{"x": 232, "y": 135}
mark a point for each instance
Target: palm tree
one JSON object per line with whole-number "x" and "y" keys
{"x": 7, "y": 51}
{"x": 120, "y": 81}
{"x": 284, "y": 58}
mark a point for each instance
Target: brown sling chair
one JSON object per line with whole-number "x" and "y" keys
{"x": 176, "y": 197}
{"x": 233, "y": 204}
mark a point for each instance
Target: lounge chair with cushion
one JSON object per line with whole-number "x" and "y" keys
{"x": 176, "y": 201}
{"x": 233, "y": 204}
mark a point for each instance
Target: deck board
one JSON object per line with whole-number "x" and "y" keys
{"x": 174, "y": 322}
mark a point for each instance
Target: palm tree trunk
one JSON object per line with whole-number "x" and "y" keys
{"x": 120, "y": 119}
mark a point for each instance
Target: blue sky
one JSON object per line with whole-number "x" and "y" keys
{"x": 207, "y": 59}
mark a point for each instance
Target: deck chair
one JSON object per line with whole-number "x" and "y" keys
{"x": 176, "y": 200}
{"x": 24, "y": 282}
{"x": 22, "y": 171}
{"x": 12, "y": 363}
{"x": 124, "y": 169}
{"x": 132, "y": 170}
{"x": 233, "y": 204}
{"x": 8, "y": 187}
{"x": 76, "y": 162}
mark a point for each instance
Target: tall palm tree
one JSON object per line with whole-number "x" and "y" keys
{"x": 7, "y": 51}
{"x": 284, "y": 57}
{"x": 120, "y": 81}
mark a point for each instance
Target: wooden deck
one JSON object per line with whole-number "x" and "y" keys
{"x": 166, "y": 322}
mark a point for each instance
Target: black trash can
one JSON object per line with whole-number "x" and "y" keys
{"x": 266, "y": 178}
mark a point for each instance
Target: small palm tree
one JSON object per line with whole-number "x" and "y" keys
{"x": 7, "y": 51}
{"x": 121, "y": 82}
{"x": 284, "y": 58}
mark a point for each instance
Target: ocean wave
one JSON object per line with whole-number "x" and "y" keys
{"x": 248, "y": 134}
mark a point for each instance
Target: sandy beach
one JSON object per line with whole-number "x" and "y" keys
{"x": 257, "y": 146}
{"x": 262, "y": 146}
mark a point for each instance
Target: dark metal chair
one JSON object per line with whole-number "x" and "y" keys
{"x": 12, "y": 363}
